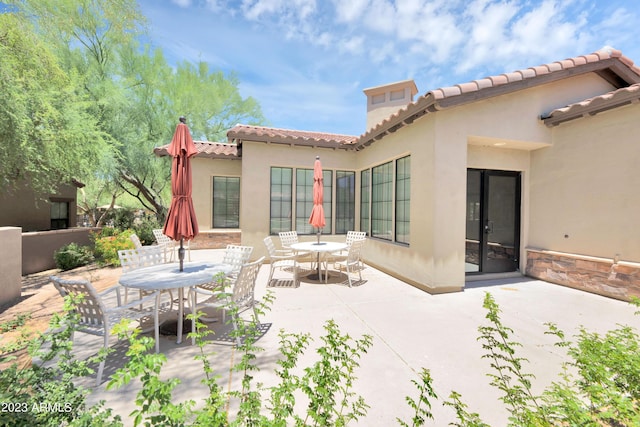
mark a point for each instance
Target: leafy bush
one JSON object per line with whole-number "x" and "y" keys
{"x": 72, "y": 256}
{"x": 144, "y": 229}
{"x": 107, "y": 247}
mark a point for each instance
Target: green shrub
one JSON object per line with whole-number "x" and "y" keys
{"x": 72, "y": 256}
{"x": 107, "y": 247}
{"x": 144, "y": 229}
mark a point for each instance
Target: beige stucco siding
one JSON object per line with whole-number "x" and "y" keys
{"x": 584, "y": 189}
{"x": 203, "y": 171}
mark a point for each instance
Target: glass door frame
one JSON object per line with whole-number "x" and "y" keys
{"x": 479, "y": 215}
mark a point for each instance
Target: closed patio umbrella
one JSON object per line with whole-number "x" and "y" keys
{"x": 317, "y": 212}
{"x": 181, "y": 220}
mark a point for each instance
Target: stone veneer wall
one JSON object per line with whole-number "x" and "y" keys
{"x": 214, "y": 239}
{"x": 612, "y": 278}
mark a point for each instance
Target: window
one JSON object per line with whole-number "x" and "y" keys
{"x": 403, "y": 190}
{"x": 382, "y": 201}
{"x": 281, "y": 200}
{"x": 345, "y": 201}
{"x": 226, "y": 202}
{"x": 59, "y": 215}
{"x": 365, "y": 191}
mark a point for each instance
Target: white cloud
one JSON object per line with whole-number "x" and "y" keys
{"x": 351, "y": 10}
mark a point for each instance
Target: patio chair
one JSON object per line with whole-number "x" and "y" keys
{"x": 235, "y": 256}
{"x": 137, "y": 244}
{"x": 240, "y": 296}
{"x": 169, "y": 246}
{"x": 352, "y": 262}
{"x": 98, "y": 319}
{"x": 342, "y": 255}
{"x": 281, "y": 259}
{"x": 288, "y": 238}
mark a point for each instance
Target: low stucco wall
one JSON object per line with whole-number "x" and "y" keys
{"x": 608, "y": 277}
{"x": 38, "y": 246}
{"x": 11, "y": 256}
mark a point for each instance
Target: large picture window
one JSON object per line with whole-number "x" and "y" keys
{"x": 226, "y": 202}
{"x": 382, "y": 201}
{"x": 281, "y": 199}
{"x": 385, "y": 200}
{"x": 403, "y": 190}
{"x": 345, "y": 201}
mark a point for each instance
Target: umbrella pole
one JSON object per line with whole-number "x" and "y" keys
{"x": 181, "y": 254}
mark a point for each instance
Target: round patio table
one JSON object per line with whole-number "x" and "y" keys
{"x": 320, "y": 248}
{"x": 168, "y": 276}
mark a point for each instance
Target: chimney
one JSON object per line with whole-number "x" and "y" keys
{"x": 383, "y": 101}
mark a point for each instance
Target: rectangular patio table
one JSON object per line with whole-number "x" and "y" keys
{"x": 320, "y": 248}
{"x": 168, "y": 276}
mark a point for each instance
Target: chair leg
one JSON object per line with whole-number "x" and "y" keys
{"x": 102, "y": 363}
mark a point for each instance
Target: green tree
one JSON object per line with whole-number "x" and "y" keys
{"x": 47, "y": 134}
{"x": 136, "y": 96}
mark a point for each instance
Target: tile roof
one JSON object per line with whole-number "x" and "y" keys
{"x": 593, "y": 106}
{"x": 610, "y": 64}
{"x": 205, "y": 149}
{"x": 240, "y": 132}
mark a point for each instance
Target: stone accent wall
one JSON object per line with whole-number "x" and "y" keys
{"x": 611, "y": 278}
{"x": 213, "y": 239}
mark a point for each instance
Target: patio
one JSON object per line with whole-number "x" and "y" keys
{"x": 411, "y": 329}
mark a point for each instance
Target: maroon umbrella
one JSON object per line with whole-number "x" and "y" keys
{"x": 317, "y": 212}
{"x": 181, "y": 220}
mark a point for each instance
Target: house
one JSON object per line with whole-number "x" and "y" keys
{"x": 22, "y": 207}
{"x": 531, "y": 172}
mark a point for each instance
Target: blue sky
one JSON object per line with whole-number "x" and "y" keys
{"x": 307, "y": 61}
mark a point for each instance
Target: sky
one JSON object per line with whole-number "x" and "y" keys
{"x": 307, "y": 62}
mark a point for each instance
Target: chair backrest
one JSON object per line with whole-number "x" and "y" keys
{"x": 146, "y": 256}
{"x": 355, "y": 235}
{"x": 288, "y": 238}
{"x": 236, "y": 256}
{"x": 129, "y": 259}
{"x": 353, "y": 257}
{"x": 89, "y": 307}
{"x": 161, "y": 238}
{"x": 136, "y": 241}
{"x": 243, "y": 290}
{"x": 271, "y": 247}
{"x": 150, "y": 255}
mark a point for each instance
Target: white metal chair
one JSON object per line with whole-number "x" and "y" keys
{"x": 98, "y": 319}
{"x": 288, "y": 238}
{"x": 137, "y": 244}
{"x": 352, "y": 263}
{"x": 342, "y": 255}
{"x": 235, "y": 256}
{"x": 281, "y": 259}
{"x": 169, "y": 246}
{"x": 240, "y": 296}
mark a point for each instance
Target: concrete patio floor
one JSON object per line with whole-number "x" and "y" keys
{"x": 410, "y": 328}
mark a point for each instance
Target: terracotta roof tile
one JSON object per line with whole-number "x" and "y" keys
{"x": 206, "y": 149}
{"x": 287, "y": 136}
{"x": 595, "y": 105}
{"x": 446, "y": 97}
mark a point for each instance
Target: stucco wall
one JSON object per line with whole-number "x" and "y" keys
{"x": 10, "y": 267}
{"x": 38, "y": 247}
{"x": 584, "y": 188}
